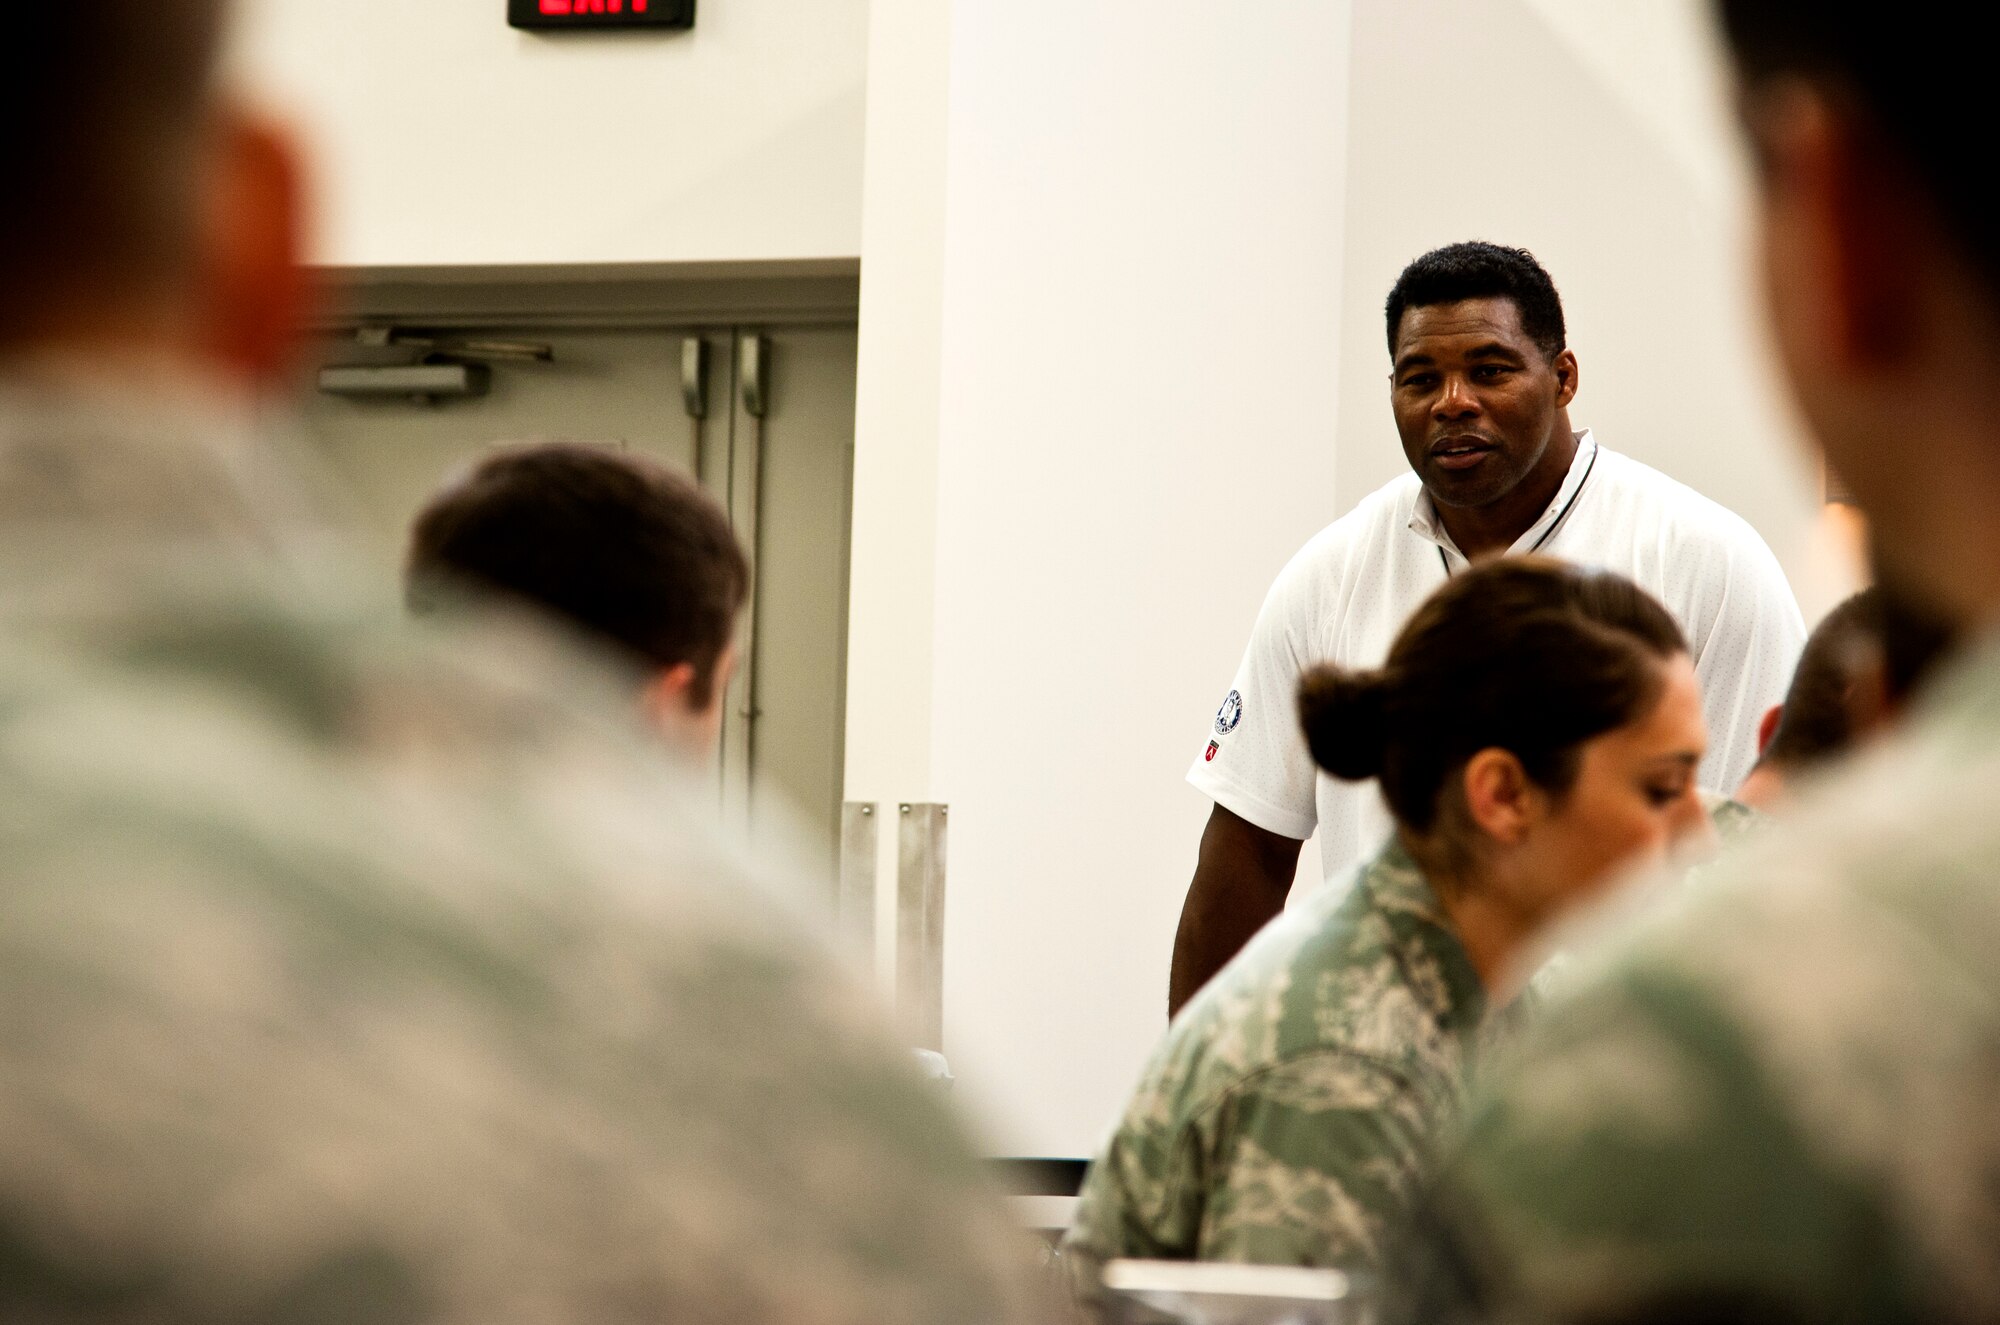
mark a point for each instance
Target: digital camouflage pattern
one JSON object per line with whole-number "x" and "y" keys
{"x": 1779, "y": 1097}
{"x": 1288, "y": 1114}
{"x": 351, "y": 975}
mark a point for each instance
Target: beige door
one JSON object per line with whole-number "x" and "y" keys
{"x": 774, "y": 445}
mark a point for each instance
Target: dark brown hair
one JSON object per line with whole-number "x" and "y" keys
{"x": 1525, "y": 654}
{"x": 104, "y": 105}
{"x": 628, "y": 549}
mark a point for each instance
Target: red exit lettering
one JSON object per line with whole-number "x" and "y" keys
{"x": 560, "y": 7}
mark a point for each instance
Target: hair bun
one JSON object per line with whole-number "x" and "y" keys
{"x": 1346, "y": 719}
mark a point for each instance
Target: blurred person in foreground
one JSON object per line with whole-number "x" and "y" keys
{"x": 1780, "y": 1099}
{"x": 622, "y": 548}
{"x": 1535, "y": 727}
{"x": 346, "y": 975}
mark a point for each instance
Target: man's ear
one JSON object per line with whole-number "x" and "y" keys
{"x": 251, "y": 285}
{"x": 667, "y": 695}
{"x": 1501, "y": 800}
{"x": 1767, "y": 727}
{"x": 1566, "y": 377}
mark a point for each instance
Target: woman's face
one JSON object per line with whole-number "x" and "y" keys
{"x": 1634, "y": 797}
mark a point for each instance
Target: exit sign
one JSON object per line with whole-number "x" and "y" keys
{"x": 549, "y": 15}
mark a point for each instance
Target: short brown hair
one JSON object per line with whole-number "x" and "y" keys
{"x": 1525, "y": 654}
{"x": 104, "y": 105}
{"x": 630, "y": 550}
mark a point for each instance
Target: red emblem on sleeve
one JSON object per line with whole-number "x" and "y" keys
{"x": 1212, "y": 748}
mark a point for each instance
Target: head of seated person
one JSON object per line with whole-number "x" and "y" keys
{"x": 1535, "y": 729}
{"x": 1859, "y": 668}
{"x": 627, "y": 550}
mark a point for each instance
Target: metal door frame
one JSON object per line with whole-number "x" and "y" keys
{"x": 610, "y": 297}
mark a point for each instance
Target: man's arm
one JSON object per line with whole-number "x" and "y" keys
{"x": 1240, "y": 881}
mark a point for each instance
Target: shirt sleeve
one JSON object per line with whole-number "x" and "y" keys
{"x": 1746, "y": 633}
{"x": 1253, "y": 761}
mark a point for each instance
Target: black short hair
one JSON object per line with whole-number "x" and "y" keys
{"x": 630, "y": 550}
{"x": 1925, "y": 91}
{"x": 1478, "y": 270}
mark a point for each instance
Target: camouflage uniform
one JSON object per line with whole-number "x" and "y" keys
{"x": 1778, "y": 1098}
{"x": 1288, "y": 1114}
{"x": 347, "y": 975}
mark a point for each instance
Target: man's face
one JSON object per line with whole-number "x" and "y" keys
{"x": 1476, "y": 401}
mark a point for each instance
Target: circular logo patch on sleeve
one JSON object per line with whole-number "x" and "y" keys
{"x": 1229, "y": 714}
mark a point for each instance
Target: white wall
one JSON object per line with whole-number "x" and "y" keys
{"x": 1141, "y": 272}
{"x": 1166, "y": 237}
{"x": 890, "y": 622}
{"x": 444, "y": 137}
{"x": 893, "y": 553}
{"x": 1598, "y": 137}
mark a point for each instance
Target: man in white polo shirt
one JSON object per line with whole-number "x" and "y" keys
{"x": 1481, "y": 383}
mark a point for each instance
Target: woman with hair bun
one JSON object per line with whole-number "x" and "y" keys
{"x": 1535, "y": 729}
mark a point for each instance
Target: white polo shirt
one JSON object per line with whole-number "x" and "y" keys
{"x": 1348, "y": 591}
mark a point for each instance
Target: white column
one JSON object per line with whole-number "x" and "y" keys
{"x": 894, "y": 541}
{"x": 1140, "y": 334}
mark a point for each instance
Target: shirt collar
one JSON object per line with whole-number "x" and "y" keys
{"x": 1425, "y": 524}
{"x": 1433, "y": 961}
